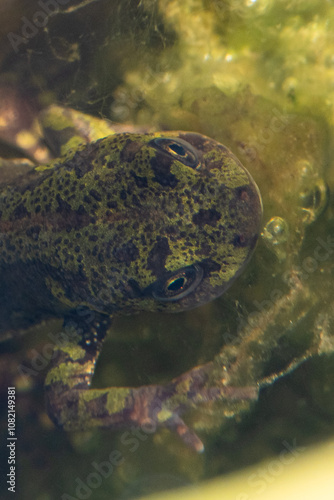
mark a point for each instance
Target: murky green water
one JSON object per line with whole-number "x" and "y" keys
{"x": 257, "y": 76}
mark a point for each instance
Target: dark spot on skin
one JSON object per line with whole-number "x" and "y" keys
{"x": 82, "y": 161}
{"x": 161, "y": 164}
{"x": 239, "y": 240}
{"x": 93, "y": 237}
{"x": 210, "y": 217}
{"x": 141, "y": 182}
{"x": 129, "y": 150}
{"x": 111, "y": 204}
{"x": 173, "y": 230}
{"x": 126, "y": 253}
{"x": 123, "y": 194}
{"x": 95, "y": 195}
{"x": 63, "y": 206}
{"x": 156, "y": 260}
{"x": 81, "y": 210}
{"x": 204, "y": 250}
{"x": 10, "y": 247}
{"x": 209, "y": 266}
{"x": 135, "y": 201}
{"x": 20, "y": 211}
{"x": 134, "y": 289}
{"x": 33, "y": 232}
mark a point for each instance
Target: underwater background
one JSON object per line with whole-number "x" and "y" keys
{"x": 258, "y": 76}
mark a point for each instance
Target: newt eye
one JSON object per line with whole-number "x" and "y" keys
{"x": 178, "y": 149}
{"x": 177, "y": 285}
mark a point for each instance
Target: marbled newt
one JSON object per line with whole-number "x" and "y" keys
{"x": 129, "y": 222}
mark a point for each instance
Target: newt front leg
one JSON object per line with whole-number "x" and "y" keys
{"x": 73, "y": 405}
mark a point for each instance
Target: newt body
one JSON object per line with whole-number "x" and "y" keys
{"x": 130, "y": 222}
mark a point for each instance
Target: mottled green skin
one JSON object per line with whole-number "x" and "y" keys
{"x": 105, "y": 227}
